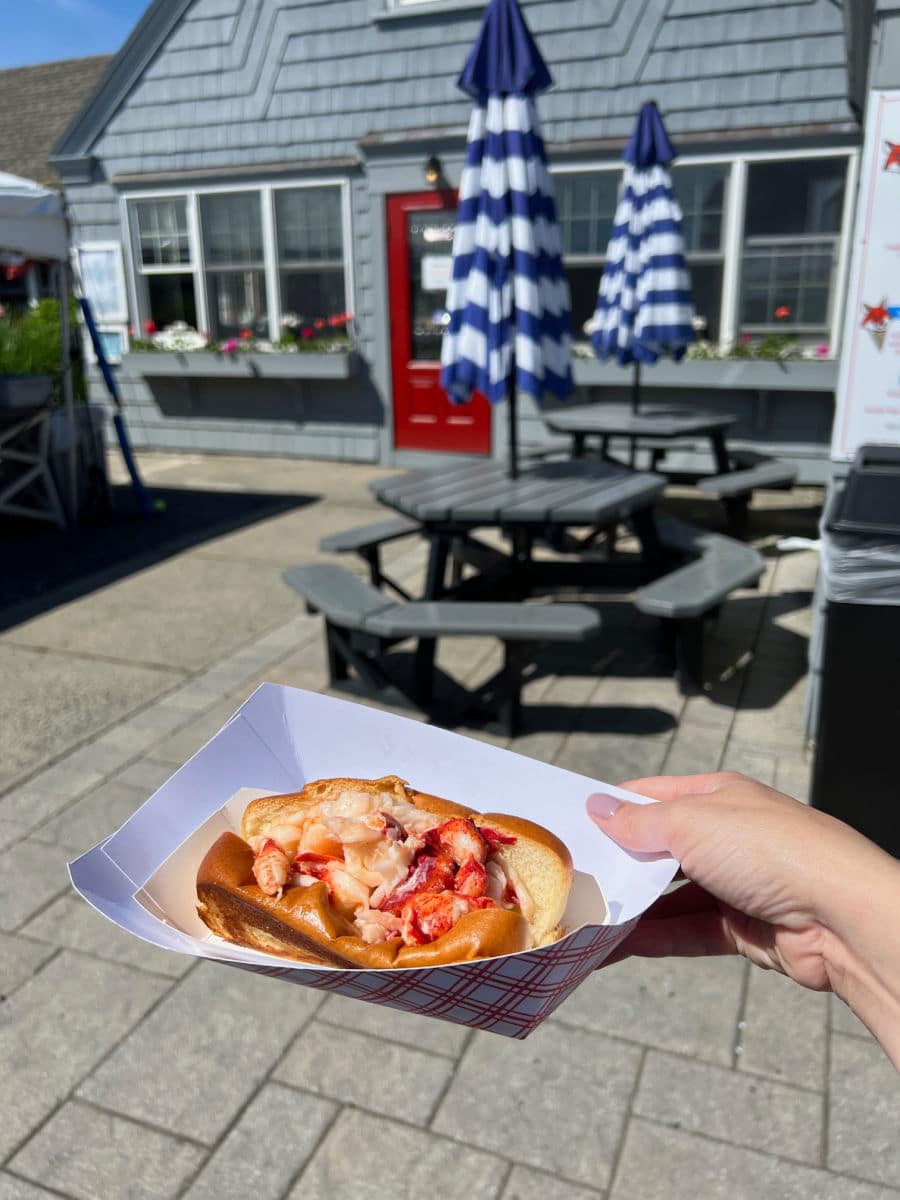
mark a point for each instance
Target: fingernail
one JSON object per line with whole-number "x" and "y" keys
{"x": 601, "y": 806}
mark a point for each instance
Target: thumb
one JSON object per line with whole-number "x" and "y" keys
{"x": 643, "y": 827}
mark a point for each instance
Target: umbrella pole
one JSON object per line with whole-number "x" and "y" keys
{"x": 513, "y": 422}
{"x": 636, "y": 386}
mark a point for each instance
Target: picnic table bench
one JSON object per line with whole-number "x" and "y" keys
{"x": 361, "y": 622}
{"x": 715, "y": 565}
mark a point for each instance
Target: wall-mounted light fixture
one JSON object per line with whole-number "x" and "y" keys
{"x": 434, "y": 173}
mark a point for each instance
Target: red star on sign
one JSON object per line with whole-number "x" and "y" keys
{"x": 876, "y": 314}
{"x": 893, "y": 158}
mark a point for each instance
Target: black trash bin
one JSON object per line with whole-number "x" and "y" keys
{"x": 856, "y": 772}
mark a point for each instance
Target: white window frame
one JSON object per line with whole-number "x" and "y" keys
{"x": 266, "y": 190}
{"x": 733, "y": 217}
{"x": 117, "y": 321}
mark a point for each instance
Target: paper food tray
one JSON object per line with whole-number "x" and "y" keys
{"x": 142, "y": 876}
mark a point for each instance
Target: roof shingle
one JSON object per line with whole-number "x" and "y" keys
{"x": 36, "y": 106}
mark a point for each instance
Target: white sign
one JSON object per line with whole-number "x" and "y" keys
{"x": 103, "y": 280}
{"x": 868, "y": 395}
{"x": 437, "y": 271}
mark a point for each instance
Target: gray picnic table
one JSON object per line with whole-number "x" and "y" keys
{"x": 546, "y": 499}
{"x": 607, "y": 421}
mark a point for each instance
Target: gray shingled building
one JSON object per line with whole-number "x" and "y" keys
{"x": 248, "y": 164}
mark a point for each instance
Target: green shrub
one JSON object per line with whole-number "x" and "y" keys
{"x": 30, "y": 345}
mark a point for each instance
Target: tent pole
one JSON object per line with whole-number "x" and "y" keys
{"x": 68, "y": 393}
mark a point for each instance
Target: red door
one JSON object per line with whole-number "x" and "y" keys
{"x": 420, "y": 242}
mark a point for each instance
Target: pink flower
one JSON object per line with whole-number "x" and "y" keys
{"x": 246, "y": 335}
{"x": 746, "y": 337}
{"x": 319, "y": 323}
{"x": 231, "y": 346}
{"x": 823, "y": 351}
{"x": 308, "y": 333}
{"x": 149, "y": 328}
{"x": 782, "y": 312}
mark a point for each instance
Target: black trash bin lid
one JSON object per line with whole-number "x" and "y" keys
{"x": 870, "y": 500}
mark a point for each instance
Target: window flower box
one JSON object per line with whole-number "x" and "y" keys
{"x": 790, "y": 375}
{"x": 204, "y": 364}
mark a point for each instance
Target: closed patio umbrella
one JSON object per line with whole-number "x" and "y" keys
{"x": 508, "y": 300}
{"x": 644, "y": 307}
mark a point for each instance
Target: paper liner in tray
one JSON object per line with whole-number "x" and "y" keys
{"x": 142, "y": 876}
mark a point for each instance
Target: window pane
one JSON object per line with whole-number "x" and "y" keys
{"x": 803, "y": 196}
{"x": 237, "y": 301}
{"x": 162, "y": 232}
{"x": 791, "y": 279}
{"x": 706, "y": 288}
{"x": 701, "y": 194}
{"x": 232, "y": 229}
{"x": 306, "y": 295}
{"x": 585, "y": 206}
{"x": 172, "y": 299}
{"x": 584, "y": 283}
{"x": 309, "y": 225}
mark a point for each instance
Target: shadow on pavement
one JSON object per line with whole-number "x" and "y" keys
{"x": 42, "y": 567}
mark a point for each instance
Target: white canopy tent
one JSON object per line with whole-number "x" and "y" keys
{"x": 32, "y": 220}
{"x": 33, "y": 226}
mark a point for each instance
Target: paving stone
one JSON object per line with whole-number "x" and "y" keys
{"x": 864, "y": 1111}
{"x": 610, "y": 758}
{"x": 89, "y": 1153}
{"x": 383, "y": 1077}
{"x": 267, "y": 1147}
{"x": 743, "y": 1109}
{"x": 695, "y": 750}
{"x": 162, "y": 617}
{"x": 12, "y": 1188}
{"x": 785, "y": 1034}
{"x": 88, "y": 695}
{"x": 145, "y": 775}
{"x": 409, "y": 1029}
{"x": 667, "y": 1164}
{"x": 47, "y": 794}
{"x": 525, "y": 1184}
{"x": 188, "y": 739}
{"x": 750, "y": 760}
{"x": 690, "y": 1006}
{"x": 19, "y": 960}
{"x": 556, "y": 1101}
{"x": 389, "y": 1160}
{"x": 31, "y": 874}
{"x": 56, "y": 1027}
{"x": 70, "y": 922}
{"x": 11, "y": 831}
{"x": 200, "y": 1055}
{"x": 844, "y": 1020}
{"x": 95, "y": 816}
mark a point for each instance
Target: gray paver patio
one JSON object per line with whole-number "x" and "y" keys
{"x": 132, "y": 1071}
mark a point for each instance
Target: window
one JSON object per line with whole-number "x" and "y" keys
{"x": 160, "y": 229}
{"x": 231, "y": 225}
{"x": 586, "y": 206}
{"x": 791, "y": 241}
{"x": 238, "y": 258}
{"x": 310, "y": 252}
{"x": 785, "y": 258}
{"x": 701, "y": 192}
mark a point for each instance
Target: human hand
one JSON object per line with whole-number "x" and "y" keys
{"x": 790, "y": 888}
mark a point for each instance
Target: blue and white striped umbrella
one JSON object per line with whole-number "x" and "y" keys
{"x": 508, "y": 302}
{"x": 644, "y": 308}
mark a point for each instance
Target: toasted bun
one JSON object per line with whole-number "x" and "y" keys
{"x": 303, "y": 924}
